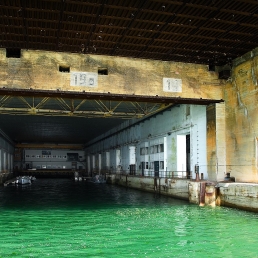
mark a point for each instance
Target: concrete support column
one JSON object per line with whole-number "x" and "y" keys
{"x": 99, "y": 163}
{"x": 108, "y": 160}
{"x": 221, "y": 143}
{"x": 216, "y": 142}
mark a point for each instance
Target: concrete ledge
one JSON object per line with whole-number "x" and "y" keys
{"x": 238, "y": 195}
{"x": 177, "y": 188}
{"x": 204, "y": 193}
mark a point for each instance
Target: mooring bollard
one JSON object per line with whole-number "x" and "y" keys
{"x": 196, "y": 169}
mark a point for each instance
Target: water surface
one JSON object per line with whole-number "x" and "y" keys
{"x": 63, "y": 218}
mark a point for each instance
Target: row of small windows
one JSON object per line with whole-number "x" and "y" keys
{"x": 46, "y": 156}
{"x": 150, "y": 165}
{"x": 152, "y": 149}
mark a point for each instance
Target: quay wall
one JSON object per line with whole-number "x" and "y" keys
{"x": 238, "y": 195}
{"x": 242, "y": 196}
{"x": 172, "y": 187}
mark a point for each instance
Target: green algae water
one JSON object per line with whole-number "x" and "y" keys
{"x": 63, "y": 218}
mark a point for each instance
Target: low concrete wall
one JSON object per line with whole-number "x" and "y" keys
{"x": 194, "y": 192}
{"x": 238, "y": 195}
{"x": 178, "y": 188}
{"x": 197, "y": 192}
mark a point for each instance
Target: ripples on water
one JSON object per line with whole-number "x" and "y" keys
{"x": 62, "y": 218}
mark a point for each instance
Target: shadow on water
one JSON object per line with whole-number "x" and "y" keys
{"x": 66, "y": 193}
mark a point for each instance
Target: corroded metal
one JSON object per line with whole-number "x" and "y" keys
{"x": 35, "y": 102}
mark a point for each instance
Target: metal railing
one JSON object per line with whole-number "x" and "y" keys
{"x": 168, "y": 174}
{"x": 149, "y": 173}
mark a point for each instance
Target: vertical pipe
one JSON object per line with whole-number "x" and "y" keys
{"x": 159, "y": 186}
{"x": 202, "y": 193}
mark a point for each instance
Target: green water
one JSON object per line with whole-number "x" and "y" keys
{"x": 62, "y": 218}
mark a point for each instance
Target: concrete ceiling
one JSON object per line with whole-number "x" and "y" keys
{"x": 207, "y": 32}
{"x": 195, "y": 31}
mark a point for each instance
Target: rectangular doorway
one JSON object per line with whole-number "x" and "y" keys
{"x": 188, "y": 155}
{"x": 183, "y": 155}
{"x": 156, "y": 168}
{"x": 132, "y": 169}
{"x": 142, "y": 167}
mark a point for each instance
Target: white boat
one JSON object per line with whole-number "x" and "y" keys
{"x": 20, "y": 180}
{"x": 77, "y": 177}
{"x": 98, "y": 179}
{"x": 23, "y": 180}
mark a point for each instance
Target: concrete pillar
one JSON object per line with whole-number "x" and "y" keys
{"x": 194, "y": 192}
{"x": 221, "y": 143}
{"x": 108, "y": 160}
{"x": 99, "y": 163}
{"x": 216, "y": 142}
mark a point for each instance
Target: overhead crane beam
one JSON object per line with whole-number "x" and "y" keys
{"x": 88, "y": 105}
{"x": 54, "y": 112}
{"x": 106, "y": 96}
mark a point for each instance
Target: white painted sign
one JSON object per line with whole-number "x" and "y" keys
{"x": 84, "y": 79}
{"x": 172, "y": 85}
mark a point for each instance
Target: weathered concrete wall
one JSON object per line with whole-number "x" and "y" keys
{"x": 241, "y": 94}
{"x": 194, "y": 192}
{"x": 238, "y": 195}
{"x": 204, "y": 193}
{"x": 221, "y": 146}
{"x": 164, "y": 127}
{"x": 211, "y": 142}
{"x": 40, "y": 70}
{"x": 177, "y": 188}
{"x": 197, "y": 192}
{"x": 216, "y": 142}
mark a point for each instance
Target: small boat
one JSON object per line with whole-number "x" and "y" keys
{"x": 23, "y": 180}
{"x": 98, "y": 179}
{"x": 77, "y": 177}
{"x": 20, "y": 180}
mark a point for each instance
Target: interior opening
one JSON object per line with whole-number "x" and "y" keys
{"x": 13, "y": 52}
{"x": 64, "y": 69}
{"x": 102, "y": 71}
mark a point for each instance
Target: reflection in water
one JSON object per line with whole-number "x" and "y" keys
{"x": 181, "y": 220}
{"x": 63, "y": 218}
